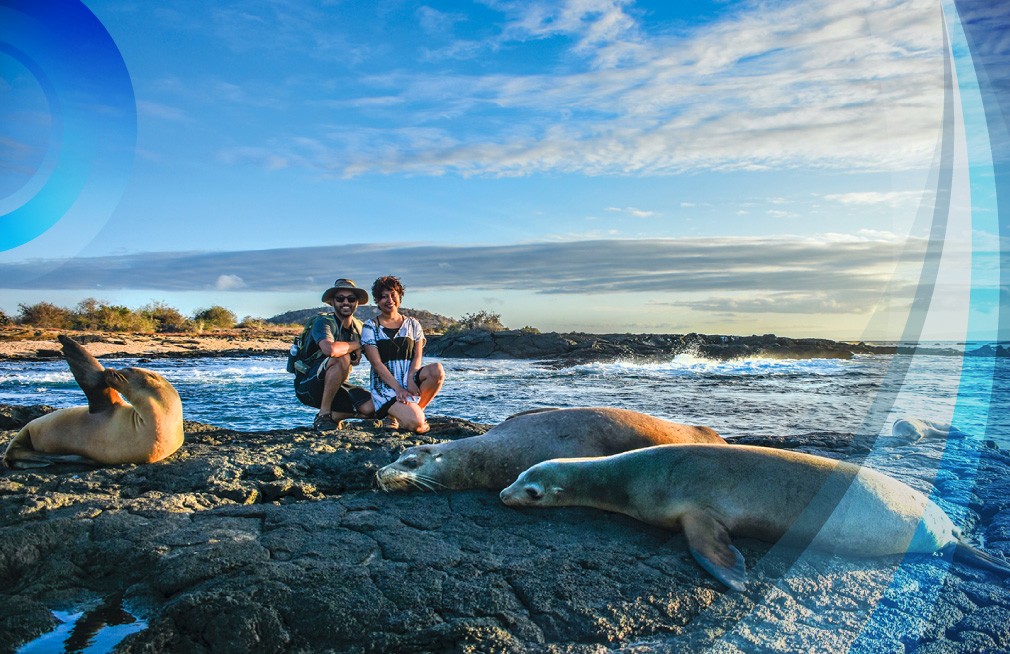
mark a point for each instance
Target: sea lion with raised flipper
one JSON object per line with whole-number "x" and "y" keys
{"x": 109, "y": 430}
{"x": 711, "y": 493}
{"x": 494, "y": 459}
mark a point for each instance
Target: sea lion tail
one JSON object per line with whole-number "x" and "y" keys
{"x": 976, "y": 557}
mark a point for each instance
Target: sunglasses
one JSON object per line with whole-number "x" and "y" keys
{"x": 345, "y": 298}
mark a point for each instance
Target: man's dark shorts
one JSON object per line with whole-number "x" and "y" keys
{"x": 309, "y": 389}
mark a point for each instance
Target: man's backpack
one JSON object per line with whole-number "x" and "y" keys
{"x": 305, "y": 352}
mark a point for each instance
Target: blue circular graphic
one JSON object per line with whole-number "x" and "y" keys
{"x": 90, "y": 129}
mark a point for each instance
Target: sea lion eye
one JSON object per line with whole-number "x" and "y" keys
{"x": 410, "y": 462}
{"x": 533, "y": 493}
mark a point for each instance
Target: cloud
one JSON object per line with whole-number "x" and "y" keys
{"x": 809, "y": 84}
{"x": 820, "y": 272}
{"x": 229, "y": 283}
{"x": 632, "y": 211}
{"x": 600, "y": 28}
{"x": 893, "y": 198}
{"x": 437, "y": 22}
{"x": 150, "y": 109}
{"x": 813, "y": 302}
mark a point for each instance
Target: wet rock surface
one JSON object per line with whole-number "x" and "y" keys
{"x": 278, "y": 541}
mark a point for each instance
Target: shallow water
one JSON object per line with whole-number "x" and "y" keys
{"x": 89, "y": 629}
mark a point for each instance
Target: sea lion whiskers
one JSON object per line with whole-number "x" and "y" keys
{"x": 401, "y": 480}
{"x": 425, "y": 483}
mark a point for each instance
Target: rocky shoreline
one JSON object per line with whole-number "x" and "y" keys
{"x": 575, "y": 348}
{"x": 278, "y": 541}
{"x": 562, "y": 349}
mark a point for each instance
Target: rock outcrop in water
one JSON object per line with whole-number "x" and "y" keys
{"x": 277, "y": 541}
{"x": 574, "y": 348}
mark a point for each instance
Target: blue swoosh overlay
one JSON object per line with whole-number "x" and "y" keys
{"x": 92, "y": 113}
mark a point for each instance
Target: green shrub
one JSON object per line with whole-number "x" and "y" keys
{"x": 166, "y": 318}
{"x": 116, "y": 318}
{"x": 96, "y": 315}
{"x": 45, "y": 314}
{"x": 250, "y": 322}
{"x": 482, "y": 321}
{"x": 216, "y": 317}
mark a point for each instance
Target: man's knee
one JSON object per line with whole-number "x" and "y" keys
{"x": 338, "y": 369}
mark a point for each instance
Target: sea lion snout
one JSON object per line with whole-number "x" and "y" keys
{"x": 523, "y": 492}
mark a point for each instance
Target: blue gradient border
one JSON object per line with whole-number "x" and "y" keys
{"x": 976, "y": 33}
{"x": 92, "y": 109}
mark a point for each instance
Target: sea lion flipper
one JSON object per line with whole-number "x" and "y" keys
{"x": 90, "y": 375}
{"x": 709, "y": 544}
{"x": 966, "y": 552}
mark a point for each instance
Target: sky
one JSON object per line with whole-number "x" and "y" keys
{"x": 787, "y": 167}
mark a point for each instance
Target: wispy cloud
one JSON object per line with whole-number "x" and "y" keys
{"x": 632, "y": 211}
{"x": 804, "y": 84}
{"x": 894, "y": 198}
{"x": 778, "y": 274}
{"x": 859, "y": 301}
{"x": 160, "y": 111}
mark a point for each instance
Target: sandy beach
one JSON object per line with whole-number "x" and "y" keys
{"x": 28, "y": 343}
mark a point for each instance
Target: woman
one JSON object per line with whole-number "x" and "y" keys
{"x": 393, "y": 344}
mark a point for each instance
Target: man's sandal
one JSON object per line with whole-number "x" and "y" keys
{"x": 324, "y": 422}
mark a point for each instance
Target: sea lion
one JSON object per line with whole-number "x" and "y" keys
{"x": 713, "y": 492}
{"x": 493, "y": 460}
{"x": 108, "y": 430}
{"x": 914, "y": 429}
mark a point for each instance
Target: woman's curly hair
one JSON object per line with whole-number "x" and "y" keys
{"x": 387, "y": 283}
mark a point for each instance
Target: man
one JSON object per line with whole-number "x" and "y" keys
{"x": 334, "y": 347}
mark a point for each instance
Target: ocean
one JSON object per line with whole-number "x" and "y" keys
{"x": 753, "y": 396}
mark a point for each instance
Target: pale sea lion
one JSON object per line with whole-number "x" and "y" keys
{"x": 493, "y": 460}
{"x": 915, "y": 429}
{"x": 108, "y": 430}
{"x": 773, "y": 495}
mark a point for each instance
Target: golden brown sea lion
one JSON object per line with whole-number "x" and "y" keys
{"x": 108, "y": 430}
{"x": 493, "y": 460}
{"x": 712, "y": 492}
